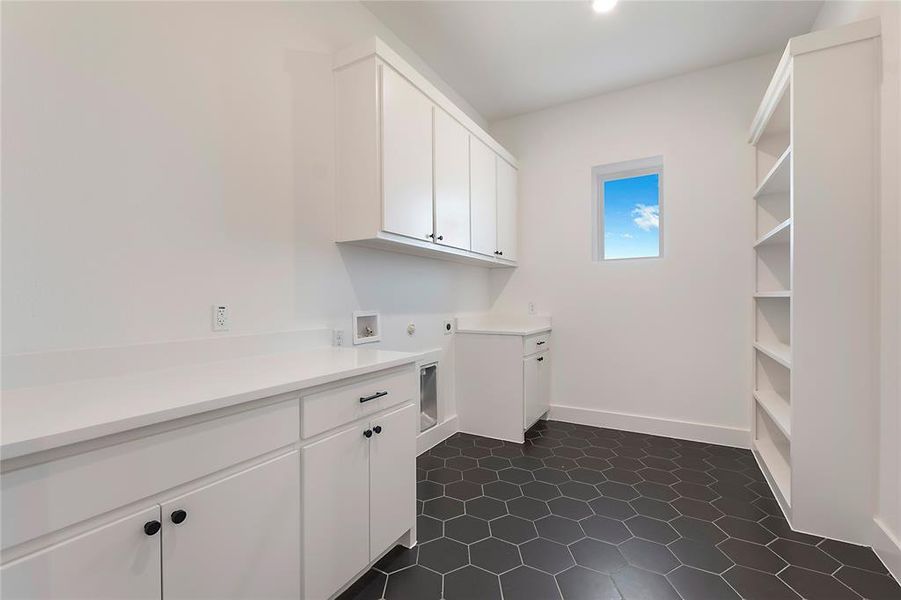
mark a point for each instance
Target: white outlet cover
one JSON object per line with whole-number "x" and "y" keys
{"x": 447, "y": 327}
{"x": 220, "y": 317}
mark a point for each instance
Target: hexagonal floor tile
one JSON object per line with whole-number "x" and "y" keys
{"x": 803, "y": 555}
{"x": 696, "y": 509}
{"x": 549, "y": 475}
{"x": 479, "y": 475}
{"x": 502, "y": 490}
{"x": 656, "y": 475}
{"x": 415, "y": 583}
{"x": 494, "y": 555}
{"x": 701, "y": 555}
{"x": 605, "y": 529}
{"x": 546, "y": 555}
{"x": 471, "y": 582}
{"x": 613, "y": 508}
{"x": 869, "y": 584}
{"x": 745, "y": 530}
{"x": 578, "y": 490}
{"x": 513, "y": 529}
{"x": 528, "y": 508}
{"x": 445, "y": 475}
{"x": 655, "y": 509}
{"x": 580, "y": 583}
{"x": 515, "y": 475}
{"x": 397, "y": 558}
{"x": 651, "y": 529}
{"x": 466, "y": 529}
{"x": 443, "y": 555}
{"x": 692, "y": 583}
{"x": 657, "y": 491}
{"x": 697, "y": 529}
{"x": 620, "y": 491}
{"x": 570, "y": 508}
{"x": 559, "y": 529}
{"x": 461, "y": 463}
{"x": 540, "y": 490}
{"x": 428, "y": 528}
{"x": 370, "y": 586}
{"x": 640, "y": 584}
{"x": 811, "y": 584}
{"x": 650, "y": 556}
{"x": 596, "y": 555}
{"x": 485, "y": 508}
{"x": 443, "y": 508}
{"x": 526, "y": 583}
{"x": 754, "y": 584}
{"x": 463, "y": 490}
{"x": 495, "y": 463}
{"x": 751, "y": 555}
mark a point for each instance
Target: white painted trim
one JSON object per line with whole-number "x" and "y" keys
{"x": 437, "y": 434}
{"x": 376, "y": 46}
{"x": 685, "y": 430}
{"x": 887, "y": 547}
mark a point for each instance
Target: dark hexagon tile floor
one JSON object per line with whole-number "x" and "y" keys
{"x": 590, "y": 513}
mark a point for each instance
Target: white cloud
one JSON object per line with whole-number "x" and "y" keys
{"x": 646, "y": 217}
{"x": 628, "y": 236}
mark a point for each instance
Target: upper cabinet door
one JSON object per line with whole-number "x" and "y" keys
{"x": 406, "y": 158}
{"x": 483, "y": 197}
{"x": 392, "y": 476}
{"x": 451, "y": 182}
{"x": 238, "y": 537}
{"x": 117, "y": 561}
{"x": 506, "y": 210}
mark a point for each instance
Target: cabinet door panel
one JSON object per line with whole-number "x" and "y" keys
{"x": 392, "y": 477}
{"x": 406, "y": 158}
{"x": 240, "y": 538}
{"x": 451, "y": 182}
{"x": 483, "y": 197}
{"x": 544, "y": 384}
{"x": 531, "y": 393}
{"x": 116, "y": 561}
{"x": 335, "y": 508}
{"x": 506, "y": 209}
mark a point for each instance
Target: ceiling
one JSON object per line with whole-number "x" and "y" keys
{"x": 508, "y": 58}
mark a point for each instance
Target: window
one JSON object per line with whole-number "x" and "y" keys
{"x": 626, "y": 207}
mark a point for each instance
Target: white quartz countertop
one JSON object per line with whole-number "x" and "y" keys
{"x": 45, "y": 417}
{"x": 503, "y": 325}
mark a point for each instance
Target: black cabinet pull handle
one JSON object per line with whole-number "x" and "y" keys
{"x": 373, "y": 397}
{"x": 496, "y": 252}
{"x": 540, "y": 358}
{"x": 440, "y": 237}
{"x": 151, "y": 527}
{"x": 377, "y": 429}
{"x": 499, "y": 253}
{"x": 178, "y": 516}
{"x": 538, "y": 343}
{"x": 368, "y": 433}
{"x": 430, "y": 235}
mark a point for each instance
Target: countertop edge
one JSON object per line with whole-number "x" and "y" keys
{"x": 24, "y": 447}
{"x": 501, "y": 331}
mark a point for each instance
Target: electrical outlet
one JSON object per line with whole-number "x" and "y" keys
{"x": 531, "y": 308}
{"x": 220, "y": 317}
{"x": 448, "y": 327}
{"x": 337, "y": 337}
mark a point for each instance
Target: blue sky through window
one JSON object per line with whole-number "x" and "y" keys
{"x": 632, "y": 217}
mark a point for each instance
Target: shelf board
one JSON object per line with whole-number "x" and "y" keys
{"x": 780, "y": 234}
{"x": 778, "y": 180}
{"x": 776, "y": 468}
{"x": 777, "y": 408}
{"x": 774, "y": 294}
{"x": 779, "y": 352}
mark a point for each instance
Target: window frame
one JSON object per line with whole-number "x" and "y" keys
{"x": 622, "y": 170}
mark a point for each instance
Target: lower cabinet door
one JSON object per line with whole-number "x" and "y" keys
{"x": 115, "y": 561}
{"x": 238, "y": 537}
{"x": 335, "y": 508}
{"x": 392, "y": 477}
{"x": 536, "y": 371}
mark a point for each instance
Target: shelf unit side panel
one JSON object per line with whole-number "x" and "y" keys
{"x": 833, "y": 289}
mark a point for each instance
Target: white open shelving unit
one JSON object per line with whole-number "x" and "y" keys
{"x": 813, "y": 402}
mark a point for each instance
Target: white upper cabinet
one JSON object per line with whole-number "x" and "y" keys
{"x": 416, "y": 174}
{"x": 506, "y": 210}
{"x": 451, "y": 182}
{"x": 406, "y": 158}
{"x": 483, "y": 190}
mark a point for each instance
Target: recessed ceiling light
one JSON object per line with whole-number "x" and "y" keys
{"x": 602, "y": 6}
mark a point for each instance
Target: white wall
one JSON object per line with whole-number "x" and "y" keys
{"x": 660, "y": 338}
{"x": 888, "y": 509}
{"x": 162, "y": 157}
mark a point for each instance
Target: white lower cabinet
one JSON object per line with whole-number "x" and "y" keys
{"x": 358, "y": 497}
{"x": 392, "y": 477}
{"x": 115, "y": 561}
{"x": 536, "y": 372}
{"x": 237, "y": 537}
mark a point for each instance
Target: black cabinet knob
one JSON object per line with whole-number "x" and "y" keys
{"x": 496, "y": 252}
{"x": 368, "y": 433}
{"x": 151, "y": 527}
{"x": 500, "y": 253}
{"x": 430, "y": 235}
{"x": 178, "y": 516}
{"x": 377, "y": 429}
{"x": 440, "y": 237}
{"x": 540, "y": 358}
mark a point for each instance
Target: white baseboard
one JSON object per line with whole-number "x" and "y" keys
{"x": 437, "y": 434}
{"x": 887, "y": 546}
{"x": 685, "y": 430}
